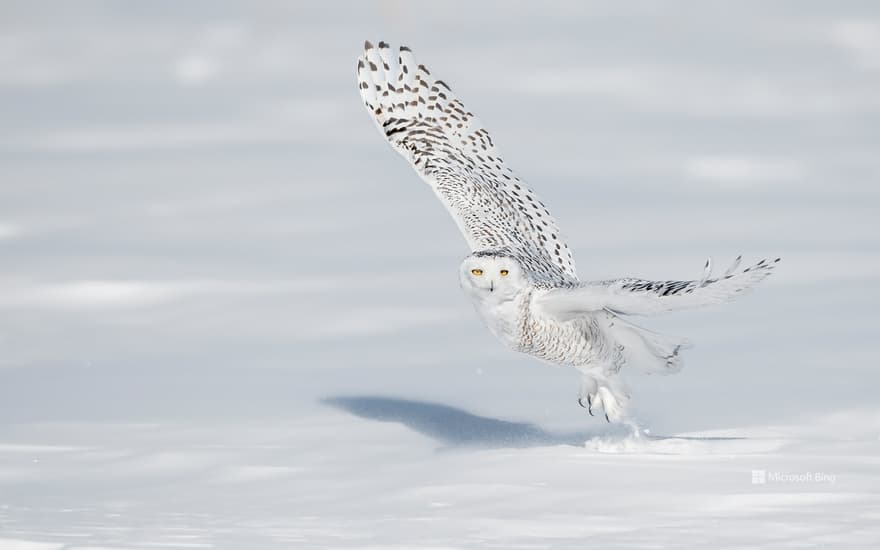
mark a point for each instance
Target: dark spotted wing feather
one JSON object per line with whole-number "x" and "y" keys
{"x": 449, "y": 148}
{"x": 641, "y": 297}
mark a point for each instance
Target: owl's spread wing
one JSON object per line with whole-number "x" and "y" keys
{"x": 641, "y": 297}
{"x": 446, "y": 144}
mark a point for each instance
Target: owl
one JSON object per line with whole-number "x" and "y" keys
{"x": 520, "y": 275}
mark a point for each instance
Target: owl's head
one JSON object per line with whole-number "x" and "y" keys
{"x": 492, "y": 274}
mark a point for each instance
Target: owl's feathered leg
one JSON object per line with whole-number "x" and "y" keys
{"x": 599, "y": 393}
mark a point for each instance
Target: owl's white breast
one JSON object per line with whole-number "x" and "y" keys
{"x": 502, "y": 314}
{"x": 512, "y": 320}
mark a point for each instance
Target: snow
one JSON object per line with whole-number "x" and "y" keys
{"x": 229, "y": 314}
{"x": 391, "y": 473}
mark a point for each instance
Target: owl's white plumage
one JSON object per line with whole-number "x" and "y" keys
{"x": 521, "y": 276}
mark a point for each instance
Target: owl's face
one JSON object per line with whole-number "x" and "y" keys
{"x": 498, "y": 277}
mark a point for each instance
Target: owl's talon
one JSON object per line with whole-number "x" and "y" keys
{"x": 601, "y": 398}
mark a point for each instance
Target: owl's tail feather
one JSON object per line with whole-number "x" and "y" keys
{"x": 645, "y": 350}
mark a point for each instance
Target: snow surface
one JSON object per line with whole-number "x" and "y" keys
{"x": 229, "y": 314}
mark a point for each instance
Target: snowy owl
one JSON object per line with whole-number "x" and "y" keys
{"x": 520, "y": 275}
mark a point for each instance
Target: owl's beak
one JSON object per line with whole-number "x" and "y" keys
{"x": 492, "y": 286}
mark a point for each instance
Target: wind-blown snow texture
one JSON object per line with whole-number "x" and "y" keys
{"x": 229, "y": 314}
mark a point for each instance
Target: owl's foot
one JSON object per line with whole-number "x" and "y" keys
{"x": 598, "y": 397}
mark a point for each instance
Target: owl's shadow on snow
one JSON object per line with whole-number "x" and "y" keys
{"x": 455, "y": 427}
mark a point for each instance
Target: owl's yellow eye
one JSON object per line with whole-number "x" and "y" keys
{"x": 504, "y": 272}
{"x": 477, "y": 272}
